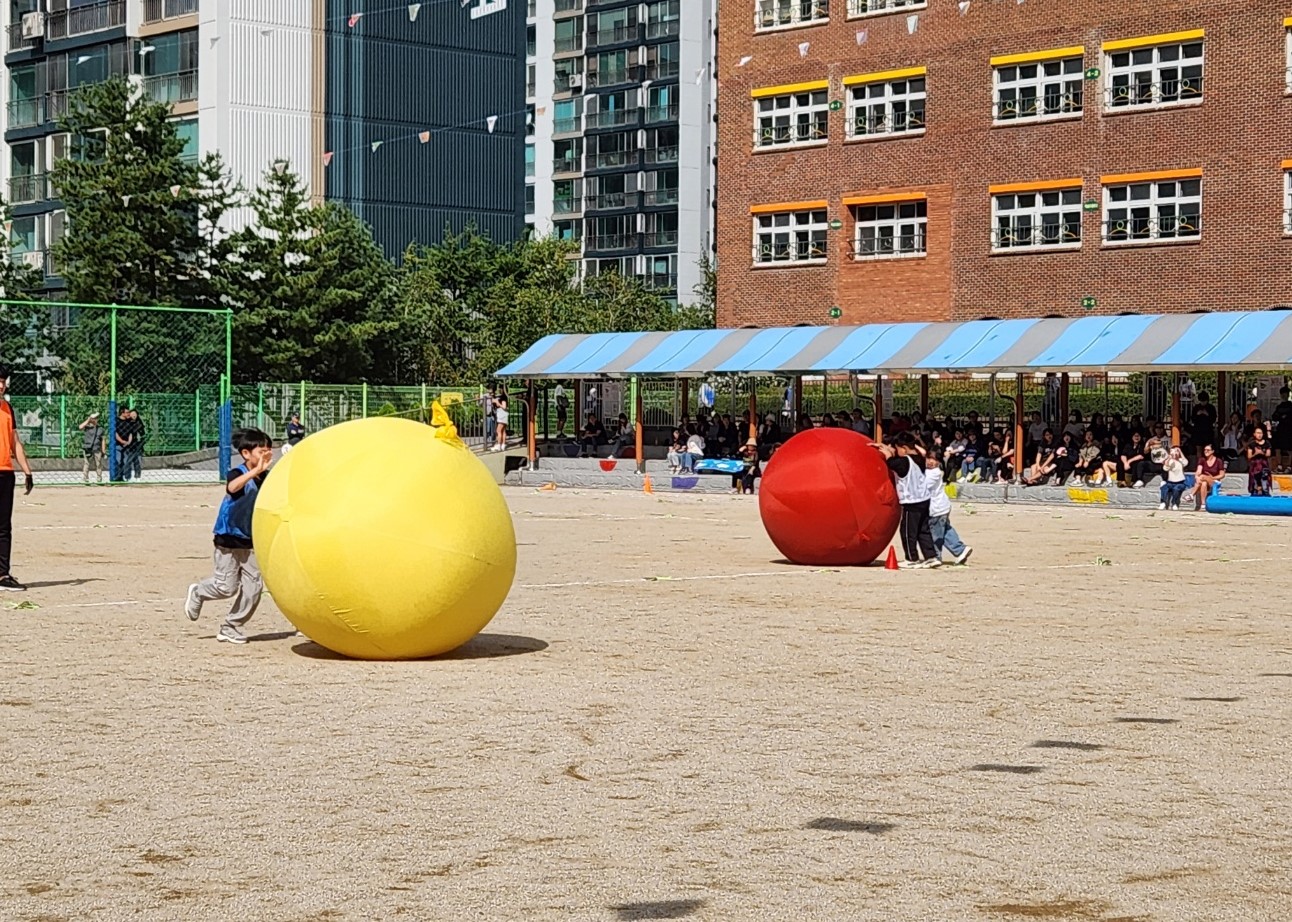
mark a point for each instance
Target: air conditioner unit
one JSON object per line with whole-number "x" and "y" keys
{"x": 576, "y": 81}
{"x": 33, "y": 25}
{"x": 33, "y": 259}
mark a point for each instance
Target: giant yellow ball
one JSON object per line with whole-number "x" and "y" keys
{"x": 385, "y": 539}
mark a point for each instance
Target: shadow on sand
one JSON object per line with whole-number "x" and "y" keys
{"x": 482, "y": 646}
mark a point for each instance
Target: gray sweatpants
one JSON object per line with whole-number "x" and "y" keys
{"x": 237, "y": 577}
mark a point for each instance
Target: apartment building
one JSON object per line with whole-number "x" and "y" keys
{"x": 300, "y": 81}
{"x": 620, "y": 158}
{"x": 896, "y": 160}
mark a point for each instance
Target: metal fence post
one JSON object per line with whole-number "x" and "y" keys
{"x": 113, "y": 473}
{"x": 302, "y": 401}
{"x": 197, "y": 420}
{"x": 260, "y": 407}
{"x": 62, "y": 426}
{"x": 365, "y": 400}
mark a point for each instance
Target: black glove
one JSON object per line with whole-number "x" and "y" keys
{"x": 29, "y": 484}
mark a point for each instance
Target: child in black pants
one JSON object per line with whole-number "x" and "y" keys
{"x": 905, "y": 460}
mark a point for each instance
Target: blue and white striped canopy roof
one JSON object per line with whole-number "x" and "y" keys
{"x": 1134, "y": 342}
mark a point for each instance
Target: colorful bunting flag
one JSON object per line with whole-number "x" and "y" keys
{"x": 376, "y": 145}
{"x": 327, "y": 158}
{"x": 424, "y": 136}
{"x": 354, "y": 19}
{"x": 745, "y": 60}
{"x": 491, "y": 121}
{"x": 413, "y": 10}
{"x": 803, "y": 49}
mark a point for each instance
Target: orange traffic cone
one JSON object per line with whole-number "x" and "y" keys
{"x": 646, "y": 487}
{"x": 891, "y": 562}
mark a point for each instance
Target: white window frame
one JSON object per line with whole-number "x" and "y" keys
{"x": 1042, "y": 208}
{"x": 1053, "y": 92}
{"x": 1162, "y": 92}
{"x": 806, "y": 115}
{"x": 860, "y": 8}
{"x": 1287, "y": 58}
{"x": 897, "y": 97}
{"x": 781, "y": 238}
{"x": 1155, "y": 227}
{"x": 773, "y": 15}
{"x": 1287, "y": 202}
{"x": 894, "y": 227}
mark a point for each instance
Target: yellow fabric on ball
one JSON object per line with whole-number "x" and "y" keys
{"x": 385, "y": 539}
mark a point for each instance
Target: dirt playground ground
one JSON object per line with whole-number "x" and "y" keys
{"x": 1088, "y": 722}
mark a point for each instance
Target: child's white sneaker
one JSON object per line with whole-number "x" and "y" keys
{"x": 192, "y": 604}
{"x": 963, "y": 555}
{"x": 230, "y": 634}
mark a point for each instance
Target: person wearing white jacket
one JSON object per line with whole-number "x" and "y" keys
{"x": 944, "y": 534}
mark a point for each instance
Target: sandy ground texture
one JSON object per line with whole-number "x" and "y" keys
{"x": 1088, "y": 722}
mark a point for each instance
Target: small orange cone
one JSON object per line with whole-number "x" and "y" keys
{"x": 646, "y": 487}
{"x": 891, "y": 562}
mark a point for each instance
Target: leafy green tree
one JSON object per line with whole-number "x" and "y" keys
{"x": 140, "y": 231}
{"x": 312, "y": 292}
{"x": 701, "y": 313}
{"x": 24, "y": 328}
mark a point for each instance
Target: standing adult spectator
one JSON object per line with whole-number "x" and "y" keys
{"x": 1282, "y": 434}
{"x": 1259, "y": 481}
{"x": 488, "y": 406}
{"x": 500, "y": 420}
{"x": 94, "y": 444}
{"x": 562, "y": 410}
{"x": 1202, "y": 422}
{"x": 1211, "y": 470}
{"x": 295, "y": 432}
{"x": 124, "y": 439}
{"x": 10, "y": 450}
{"x": 769, "y": 436}
{"x": 136, "y": 450}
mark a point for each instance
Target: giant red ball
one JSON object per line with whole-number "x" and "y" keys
{"x": 827, "y": 499}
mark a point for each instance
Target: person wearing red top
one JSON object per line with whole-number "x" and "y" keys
{"x": 1211, "y": 470}
{"x": 10, "y": 450}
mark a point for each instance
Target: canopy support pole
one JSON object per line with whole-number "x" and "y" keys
{"x": 753, "y": 409}
{"x": 1064, "y": 384}
{"x": 798, "y": 403}
{"x": 1018, "y": 427}
{"x": 531, "y": 425}
{"x": 1175, "y": 410}
{"x": 1222, "y": 401}
{"x": 879, "y": 408}
{"x": 924, "y": 397}
{"x": 639, "y": 427}
{"x": 686, "y": 403}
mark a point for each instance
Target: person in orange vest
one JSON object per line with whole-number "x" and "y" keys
{"x": 10, "y": 450}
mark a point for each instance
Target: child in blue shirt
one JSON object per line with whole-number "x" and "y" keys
{"x": 237, "y": 575}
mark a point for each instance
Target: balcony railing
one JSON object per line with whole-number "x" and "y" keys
{"x": 567, "y": 206}
{"x": 662, "y": 154}
{"x": 616, "y": 35}
{"x": 615, "y": 76}
{"x": 778, "y": 14}
{"x": 569, "y": 6}
{"x": 567, "y": 165}
{"x": 665, "y": 29}
{"x": 661, "y": 239}
{"x": 609, "y": 200}
{"x": 158, "y": 10}
{"x": 656, "y": 114}
{"x": 571, "y": 125}
{"x": 612, "y": 242}
{"x": 30, "y": 259}
{"x": 172, "y": 88}
{"x": 613, "y": 118}
{"x": 97, "y": 17}
{"x": 23, "y": 190}
{"x": 568, "y": 43}
{"x": 611, "y": 158}
{"x": 661, "y": 197}
{"x": 662, "y": 70}
{"x": 660, "y": 281}
{"x": 26, "y": 113}
{"x": 17, "y": 41}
